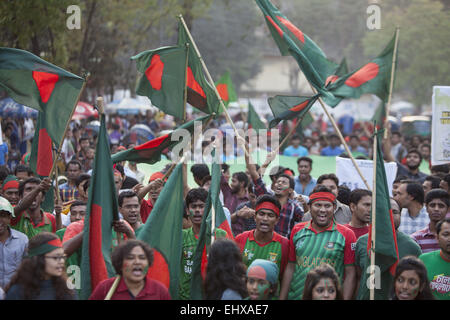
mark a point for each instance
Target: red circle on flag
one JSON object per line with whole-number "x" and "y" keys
{"x": 363, "y": 75}
{"x": 159, "y": 269}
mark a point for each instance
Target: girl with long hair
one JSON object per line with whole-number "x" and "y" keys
{"x": 322, "y": 283}
{"x": 41, "y": 275}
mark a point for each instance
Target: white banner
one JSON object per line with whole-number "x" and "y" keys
{"x": 440, "y": 126}
{"x": 349, "y": 176}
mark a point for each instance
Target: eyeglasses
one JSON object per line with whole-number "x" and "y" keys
{"x": 57, "y": 258}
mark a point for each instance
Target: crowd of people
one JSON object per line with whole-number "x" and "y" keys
{"x": 299, "y": 237}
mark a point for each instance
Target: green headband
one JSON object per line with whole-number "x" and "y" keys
{"x": 45, "y": 248}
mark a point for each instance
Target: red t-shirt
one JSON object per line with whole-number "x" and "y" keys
{"x": 146, "y": 209}
{"x": 358, "y": 231}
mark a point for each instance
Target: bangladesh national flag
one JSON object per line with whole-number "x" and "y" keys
{"x": 385, "y": 246}
{"x": 226, "y": 89}
{"x": 380, "y": 115}
{"x": 292, "y": 41}
{"x": 38, "y": 84}
{"x": 102, "y": 210}
{"x": 200, "y": 93}
{"x": 221, "y": 229}
{"x": 289, "y": 107}
{"x": 163, "y": 78}
{"x": 374, "y": 77}
{"x": 163, "y": 232}
{"x": 253, "y": 119}
{"x": 150, "y": 152}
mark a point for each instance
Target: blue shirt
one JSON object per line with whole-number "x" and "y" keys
{"x": 329, "y": 151}
{"x": 3, "y": 153}
{"x": 11, "y": 254}
{"x": 309, "y": 187}
{"x": 295, "y": 152}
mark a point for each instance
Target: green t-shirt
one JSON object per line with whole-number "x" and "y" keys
{"x": 26, "y": 225}
{"x": 190, "y": 242}
{"x": 74, "y": 259}
{"x": 438, "y": 273}
{"x": 406, "y": 247}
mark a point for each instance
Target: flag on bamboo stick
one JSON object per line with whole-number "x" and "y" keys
{"x": 163, "y": 78}
{"x": 163, "y": 232}
{"x": 53, "y": 91}
{"x": 150, "y": 151}
{"x": 253, "y": 119}
{"x": 289, "y": 107}
{"x": 102, "y": 210}
{"x": 222, "y": 229}
{"x": 374, "y": 77}
{"x": 200, "y": 93}
{"x": 292, "y": 41}
{"x": 379, "y": 117}
{"x": 385, "y": 246}
{"x": 226, "y": 89}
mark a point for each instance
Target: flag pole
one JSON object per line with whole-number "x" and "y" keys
{"x": 113, "y": 288}
{"x": 336, "y": 128}
{"x": 52, "y": 171}
{"x": 374, "y": 210}
{"x": 211, "y": 82}
{"x": 186, "y": 81}
{"x": 391, "y": 85}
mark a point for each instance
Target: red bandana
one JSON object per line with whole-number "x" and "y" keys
{"x": 322, "y": 196}
{"x": 269, "y": 206}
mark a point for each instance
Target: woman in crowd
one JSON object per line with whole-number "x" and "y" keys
{"x": 41, "y": 275}
{"x": 262, "y": 280}
{"x": 225, "y": 273}
{"x": 322, "y": 283}
{"x": 411, "y": 281}
{"x": 131, "y": 260}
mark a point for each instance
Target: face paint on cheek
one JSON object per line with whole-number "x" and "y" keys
{"x": 263, "y": 291}
{"x": 191, "y": 213}
{"x": 126, "y": 267}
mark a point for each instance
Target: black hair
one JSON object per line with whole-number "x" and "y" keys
{"x": 4, "y": 172}
{"x": 81, "y": 178}
{"x": 440, "y": 168}
{"x": 34, "y": 180}
{"x": 121, "y": 251}
{"x": 77, "y": 203}
{"x": 415, "y": 190}
{"x": 435, "y": 180}
{"x": 126, "y": 194}
{"x": 291, "y": 180}
{"x": 440, "y": 223}
{"x": 242, "y": 177}
{"x": 438, "y": 194}
{"x": 23, "y": 168}
{"x": 328, "y": 176}
{"x": 399, "y": 179}
{"x": 414, "y": 150}
{"x": 200, "y": 171}
{"x": 308, "y": 159}
{"x": 268, "y": 198}
{"x": 196, "y": 194}
{"x": 75, "y": 162}
{"x": 446, "y": 178}
{"x": 357, "y": 194}
{"x": 344, "y": 194}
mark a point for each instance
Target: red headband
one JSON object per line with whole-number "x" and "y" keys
{"x": 11, "y": 184}
{"x": 322, "y": 196}
{"x": 269, "y": 206}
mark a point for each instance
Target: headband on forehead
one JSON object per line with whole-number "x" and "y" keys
{"x": 45, "y": 248}
{"x": 269, "y": 206}
{"x": 10, "y": 182}
{"x": 322, "y": 196}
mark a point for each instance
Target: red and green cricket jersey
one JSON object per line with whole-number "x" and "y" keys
{"x": 190, "y": 241}
{"x": 309, "y": 248}
{"x": 438, "y": 269}
{"x": 24, "y": 224}
{"x": 276, "y": 250}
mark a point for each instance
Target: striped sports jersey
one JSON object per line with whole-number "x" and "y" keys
{"x": 190, "y": 241}
{"x": 309, "y": 248}
{"x": 276, "y": 250}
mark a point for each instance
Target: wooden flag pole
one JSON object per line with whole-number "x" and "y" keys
{"x": 113, "y": 288}
{"x": 374, "y": 210}
{"x": 186, "y": 81}
{"x": 52, "y": 171}
{"x": 336, "y": 128}
{"x": 391, "y": 85}
{"x": 211, "y": 82}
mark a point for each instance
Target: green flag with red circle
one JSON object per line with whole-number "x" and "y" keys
{"x": 163, "y": 232}
{"x": 38, "y": 84}
{"x": 226, "y": 89}
{"x": 289, "y": 107}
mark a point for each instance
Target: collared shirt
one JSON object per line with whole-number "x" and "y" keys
{"x": 409, "y": 225}
{"x": 404, "y": 171}
{"x": 290, "y": 214}
{"x": 153, "y": 290}
{"x": 11, "y": 254}
{"x": 232, "y": 201}
{"x": 330, "y": 152}
{"x": 25, "y": 224}
{"x": 309, "y": 187}
{"x": 342, "y": 214}
{"x": 426, "y": 240}
{"x": 67, "y": 192}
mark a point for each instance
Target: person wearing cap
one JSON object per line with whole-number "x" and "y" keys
{"x": 262, "y": 280}
{"x": 291, "y": 210}
{"x": 43, "y": 265}
{"x": 263, "y": 242}
{"x": 10, "y": 190}
{"x": 13, "y": 244}
{"x": 318, "y": 241}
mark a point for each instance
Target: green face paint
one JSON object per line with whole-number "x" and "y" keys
{"x": 263, "y": 291}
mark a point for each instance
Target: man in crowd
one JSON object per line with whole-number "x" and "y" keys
{"x": 304, "y": 183}
{"x": 13, "y": 244}
{"x": 438, "y": 262}
{"x": 23, "y": 172}
{"x": 234, "y": 195}
{"x": 154, "y": 188}
{"x": 406, "y": 247}
{"x": 129, "y": 207}
{"x": 320, "y": 239}
{"x": 410, "y": 197}
{"x": 199, "y": 171}
{"x": 437, "y": 203}
{"x": 342, "y": 213}
{"x": 355, "y": 148}
{"x": 334, "y": 148}
{"x": 10, "y": 190}
{"x": 360, "y": 205}
{"x": 397, "y": 150}
{"x": 295, "y": 149}
{"x": 431, "y": 182}
{"x": 263, "y": 242}
{"x": 68, "y": 190}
